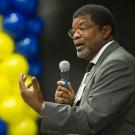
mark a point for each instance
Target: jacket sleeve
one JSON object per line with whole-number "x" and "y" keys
{"x": 112, "y": 88}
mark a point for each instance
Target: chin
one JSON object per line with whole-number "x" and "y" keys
{"x": 83, "y": 56}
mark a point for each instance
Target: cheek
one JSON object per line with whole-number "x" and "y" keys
{"x": 94, "y": 43}
{"x": 91, "y": 37}
{"x": 94, "y": 39}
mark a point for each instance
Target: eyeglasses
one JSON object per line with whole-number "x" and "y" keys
{"x": 80, "y": 31}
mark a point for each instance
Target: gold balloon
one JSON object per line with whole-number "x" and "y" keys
{"x": 13, "y": 65}
{"x": 7, "y": 45}
{"x": 12, "y": 109}
{"x": 5, "y": 87}
{"x": 25, "y": 127}
{"x": 31, "y": 113}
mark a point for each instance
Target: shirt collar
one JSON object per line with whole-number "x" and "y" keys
{"x": 95, "y": 59}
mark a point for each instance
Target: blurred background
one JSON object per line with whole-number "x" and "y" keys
{"x": 33, "y": 40}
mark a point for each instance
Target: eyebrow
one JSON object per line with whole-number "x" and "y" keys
{"x": 81, "y": 23}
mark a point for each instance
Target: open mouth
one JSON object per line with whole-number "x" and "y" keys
{"x": 79, "y": 46}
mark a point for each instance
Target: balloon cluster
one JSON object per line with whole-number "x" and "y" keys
{"x": 20, "y": 28}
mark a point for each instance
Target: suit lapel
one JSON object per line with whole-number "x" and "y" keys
{"x": 106, "y": 52}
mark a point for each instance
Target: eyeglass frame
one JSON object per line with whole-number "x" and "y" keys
{"x": 80, "y": 31}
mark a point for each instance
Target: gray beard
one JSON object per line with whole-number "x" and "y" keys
{"x": 85, "y": 54}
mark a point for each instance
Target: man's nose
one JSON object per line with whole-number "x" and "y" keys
{"x": 76, "y": 35}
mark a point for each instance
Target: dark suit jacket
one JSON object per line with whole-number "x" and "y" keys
{"x": 107, "y": 106}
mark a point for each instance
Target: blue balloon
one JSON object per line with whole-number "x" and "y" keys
{"x": 29, "y": 47}
{"x": 3, "y": 128}
{"x": 35, "y": 26}
{"x": 35, "y": 68}
{"x": 5, "y": 6}
{"x": 26, "y": 7}
{"x": 15, "y": 25}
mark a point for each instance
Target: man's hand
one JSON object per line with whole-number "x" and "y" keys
{"x": 34, "y": 97}
{"x": 64, "y": 95}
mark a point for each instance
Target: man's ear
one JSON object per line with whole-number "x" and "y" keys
{"x": 107, "y": 30}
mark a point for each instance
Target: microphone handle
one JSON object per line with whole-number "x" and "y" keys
{"x": 64, "y": 77}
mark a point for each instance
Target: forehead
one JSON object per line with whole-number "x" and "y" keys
{"x": 82, "y": 20}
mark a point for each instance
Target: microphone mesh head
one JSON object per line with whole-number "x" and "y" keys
{"x": 64, "y": 66}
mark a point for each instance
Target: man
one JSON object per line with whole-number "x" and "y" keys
{"x": 105, "y": 102}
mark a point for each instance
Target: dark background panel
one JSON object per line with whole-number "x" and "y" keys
{"x": 57, "y": 46}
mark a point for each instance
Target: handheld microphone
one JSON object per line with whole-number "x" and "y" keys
{"x": 64, "y": 68}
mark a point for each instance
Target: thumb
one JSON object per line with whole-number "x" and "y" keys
{"x": 69, "y": 86}
{"x": 35, "y": 84}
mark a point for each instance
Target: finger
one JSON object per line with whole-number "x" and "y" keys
{"x": 35, "y": 85}
{"x": 65, "y": 90}
{"x": 70, "y": 88}
{"x": 23, "y": 77}
{"x": 60, "y": 83}
{"x": 61, "y": 100}
{"x": 29, "y": 85}
{"x": 62, "y": 94}
{"x": 22, "y": 83}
